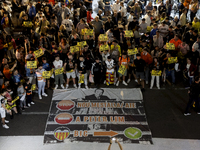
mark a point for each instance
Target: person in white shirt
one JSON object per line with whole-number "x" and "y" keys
{"x": 147, "y": 18}
{"x": 68, "y": 24}
{"x": 110, "y": 65}
{"x": 7, "y": 8}
{"x": 143, "y": 26}
{"x": 116, "y": 6}
{"x": 3, "y": 110}
{"x": 41, "y": 81}
{"x": 123, "y": 9}
{"x": 130, "y": 17}
{"x": 58, "y": 64}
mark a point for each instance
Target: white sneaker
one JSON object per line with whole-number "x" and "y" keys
{"x": 158, "y": 87}
{"x": 75, "y": 86}
{"x": 5, "y": 126}
{"x": 147, "y": 82}
{"x": 66, "y": 86}
{"x": 32, "y": 103}
{"x": 62, "y": 86}
{"x": 56, "y": 87}
{"x": 29, "y": 105}
{"x": 150, "y": 87}
{"x": 44, "y": 94}
{"x": 117, "y": 84}
{"x": 40, "y": 97}
{"x": 79, "y": 86}
{"x": 104, "y": 82}
{"x": 129, "y": 80}
{"x": 136, "y": 80}
{"x": 6, "y": 121}
{"x": 86, "y": 87}
{"x": 124, "y": 83}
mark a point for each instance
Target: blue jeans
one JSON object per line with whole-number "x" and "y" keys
{"x": 172, "y": 74}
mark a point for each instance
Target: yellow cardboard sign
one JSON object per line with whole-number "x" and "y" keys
{"x": 170, "y": 46}
{"x": 33, "y": 87}
{"x": 59, "y": 71}
{"x": 38, "y": 53}
{"x": 47, "y": 74}
{"x": 81, "y": 78}
{"x": 31, "y": 64}
{"x": 81, "y": 44}
{"x": 74, "y": 49}
{"x": 172, "y": 60}
{"x": 28, "y": 24}
{"x": 89, "y": 32}
{"x": 122, "y": 69}
{"x": 149, "y": 28}
{"x": 103, "y": 37}
{"x": 132, "y": 51}
{"x": 156, "y": 72}
{"x": 83, "y": 31}
{"x": 104, "y": 47}
{"x": 128, "y": 33}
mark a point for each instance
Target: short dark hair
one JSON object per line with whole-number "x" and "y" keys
{"x": 99, "y": 89}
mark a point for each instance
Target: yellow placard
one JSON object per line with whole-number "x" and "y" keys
{"x": 132, "y": 51}
{"x": 33, "y": 87}
{"x": 59, "y": 71}
{"x": 103, "y": 37}
{"x": 149, "y": 28}
{"x": 128, "y": 33}
{"x": 74, "y": 49}
{"x": 83, "y": 31}
{"x": 170, "y": 46}
{"x": 81, "y": 78}
{"x": 89, "y": 32}
{"x": 31, "y": 64}
{"x": 122, "y": 69}
{"x": 28, "y": 24}
{"x": 172, "y": 60}
{"x": 81, "y": 44}
{"x": 156, "y": 72}
{"x": 47, "y": 74}
{"x": 38, "y": 53}
{"x": 104, "y": 47}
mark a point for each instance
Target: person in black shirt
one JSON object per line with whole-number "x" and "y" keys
{"x": 109, "y": 24}
{"x": 194, "y": 92}
{"x": 193, "y": 55}
{"x": 133, "y": 23}
{"x": 140, "y": 65}
{"x": 70, "y": 67}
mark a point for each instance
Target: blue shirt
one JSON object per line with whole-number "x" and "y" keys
{"x": 46, "y": 66}
{"x": 153, "y": 32}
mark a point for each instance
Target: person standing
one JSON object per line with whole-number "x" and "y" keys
{"x": 194, "y": 92}
{"x": 41, "y": 81}
{"x": 110, "y": 69}
{"x": 28, "y": 89}
{"x": 58, "y": 64}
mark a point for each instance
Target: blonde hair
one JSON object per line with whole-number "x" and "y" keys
{"x": 21, "y": 14}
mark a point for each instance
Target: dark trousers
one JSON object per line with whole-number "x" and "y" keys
{"x": 97, "y": 78}
{"x": 190, "y": 103}
{"x": 28, "y": 99}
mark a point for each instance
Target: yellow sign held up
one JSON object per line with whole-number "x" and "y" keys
{"x": 122, "y": 69}
{"x": 132, "y": 51}
{"x": 104, "y": 47}
{"x": 38, "y": 53}
{"x": 172, "y": 60}
{"x": 156, "y": 72}
{"x": 59, "y": 71}
{"x": 89, "y": 32}
{"x": 128, "y": 33}
{"x": 81, "y": 78}
{"x": 27, "y": 24}
{"x": 33, "y": 87}
{"x": 149, "y": 28}
{"x": 170, "y": 46}
{"x": 81, "y": 44}
{"x": 31, "y": 64}
{"x": 83, "y": 31}
{"x": 103, "y": 37}
{"x": 47, "y": 74}
{"x": 74, "y": 49}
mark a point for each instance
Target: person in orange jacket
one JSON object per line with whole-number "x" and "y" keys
{"x": 176, "y": 41}
{"x": 148, "y": 59}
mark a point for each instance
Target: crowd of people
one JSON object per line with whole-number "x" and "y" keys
{"x": 60, "y": 41}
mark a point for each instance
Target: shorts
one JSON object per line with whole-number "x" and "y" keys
{"x": 140, "y": 75}
{"x": 3, "y": 112}
{"x": 125, "y": 74}
{"x": 71, "y": 74}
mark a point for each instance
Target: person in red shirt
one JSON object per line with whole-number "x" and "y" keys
{"x": 148, "y": 59}
{"x": 7, "y": 71}
{"x": 89, "y": 15}
{"x": 176, "y": 41}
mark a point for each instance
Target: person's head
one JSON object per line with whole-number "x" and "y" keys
{"x": 170, "y": 28}
{"x": 6, "y": 66}
{"x": 157, "y": 32}
{"x": 30, "y": 4}
{"x": 155, "y": 59}
{"x": 136, "y": 4}
{"x": 44, "y": 60}
{"x": 122, "y": 3}
{"x": 63, "y": 5}
{"x": 70, "y": 56}
{"x": 138, "y": 56}
{"x": 20, "y": 85}
{"x": 81, "y": 58}
{"x": 90, "y": 10}
{"x": 144, "y": 50}
{"x": 40, "y": 66}
{"x": 57, "y": 57}
{"x": 27, "y": 80}
{"x": 188, "y": 61}
{"x": 168, "y": 55}
{"x": 195, "y": 32}
{"x": 124, "y": 55}
{"x": 176, "y": 37}
{"x": 81, "y": 4}
{"x": 67, "y": 16}
{"x": 143, "y": 20}
{"x": 109, "y": 18}
{"x": 117, "y": 1}
{"x": 15, "y": 72}
{"x": 155, "y": 8}
{"x": 134, "y": 18}
{"x": 97, "y": 59}
{"x": 4, "y": 91}
{"x": 114, "y": 42}
{"x": 100, "y": 11}
{"x": 109, "y": 58}
{"x": 4, "y": 61}
{"x": 97, "y": 18}
{"x": 99, "y": 92}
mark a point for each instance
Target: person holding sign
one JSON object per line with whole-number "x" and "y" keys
{"x": 124, "y": 61}
{"x": 41, "y": 81}
{"x": 155, "y": 67}
{"x": 58, "y": 64}
{"x": 70, "y": 68}
{"x": 176, "y": 41}
{"x": 46, "y": 67}
{"x": 28, "y": 88}
{"x": 81, "y": 66}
